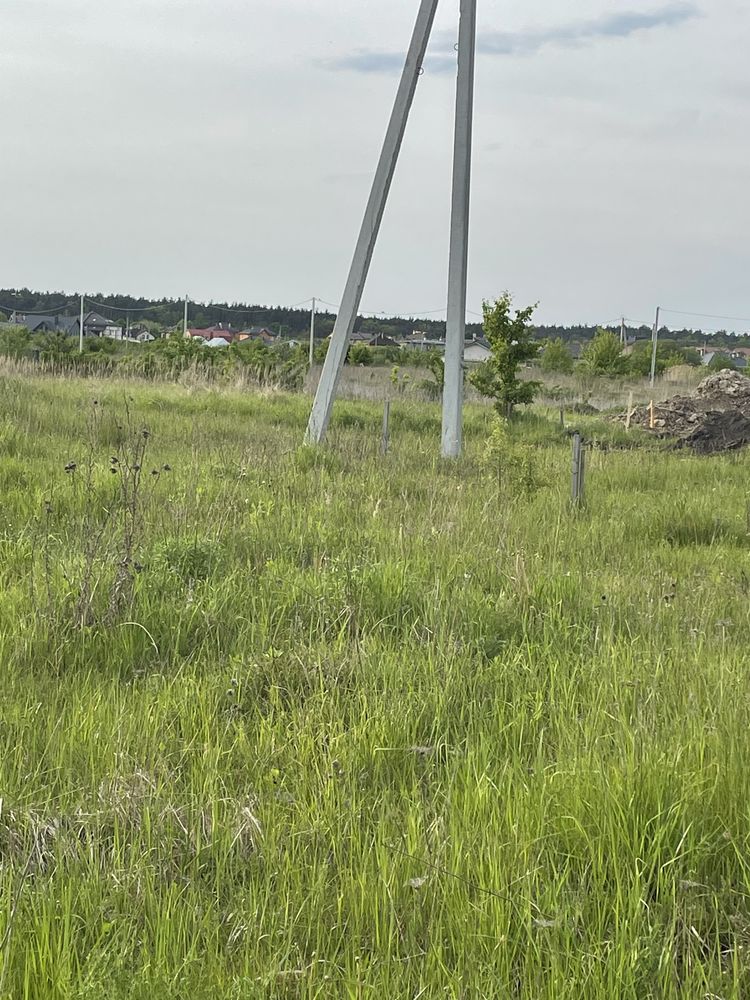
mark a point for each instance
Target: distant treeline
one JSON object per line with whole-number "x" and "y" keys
{"x": 295, "y": 323}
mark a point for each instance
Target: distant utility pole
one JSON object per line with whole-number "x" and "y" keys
{"x": 455, "y": 332}
{"x": 185, "y": 319}
{"x": 312, "y": 333}
{"x": 368, "y": 234}
{"x": 654, "y": 345}
{"x": 80, "y": 327}
{"x": 623, "y": 333}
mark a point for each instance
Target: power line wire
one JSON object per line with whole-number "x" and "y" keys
{"x": 37, "y": 312}
{"x": 681, "y": 312}
{"x": 122, "y": 309}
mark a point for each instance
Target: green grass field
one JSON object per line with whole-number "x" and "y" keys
{"x": 284, "y": 723}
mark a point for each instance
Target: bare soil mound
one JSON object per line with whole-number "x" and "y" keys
{"x": 716, "y": 418}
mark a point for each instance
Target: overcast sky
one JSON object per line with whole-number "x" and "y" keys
{"x": 226, "y": 148}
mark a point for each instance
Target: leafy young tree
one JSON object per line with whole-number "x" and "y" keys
{"x": 55, "y": 345}
{"x": 668, "y": 355}
{"x": 436, "y": 365}
{"x": 674, "y": 360}
{"x": 603, "y": 355}
{"x": 640, "y": 359}
{"x": 15, "y": 341}
{"x": 556, "y": 357}
{"x": 360, "y": 354}
{"x": 511, "y": 340}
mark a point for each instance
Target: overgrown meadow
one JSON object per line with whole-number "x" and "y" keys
{"x": 289, "y": 723}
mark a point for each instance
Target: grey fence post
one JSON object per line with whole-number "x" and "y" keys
{"x": 386, "y": 439}
{"x": 579, "y": 468}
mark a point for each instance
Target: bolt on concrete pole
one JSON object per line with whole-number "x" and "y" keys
{"x": 350, "y": 302}
{"x": 455, "y": 333}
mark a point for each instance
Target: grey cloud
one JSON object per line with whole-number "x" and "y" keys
{"x": 368, "y": 61}
{"x": 516, "y": 43}
{"x": 620, "y": 25}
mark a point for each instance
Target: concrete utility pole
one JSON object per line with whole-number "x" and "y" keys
{"x": 623, "y": 333}
{"x": 352, "y": 297}
{"x": 654, "y": 345}
{"x": 312, "y": 334}
{"x": 80, "y": 327}
{"x": 455, "y": 333}
{"x": 185, "y": 319}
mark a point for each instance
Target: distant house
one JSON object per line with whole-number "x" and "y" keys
{"x": 257, "y": 333}
{"x": 373, "y": 340}
{"x": 35, "y": 324}
{"x": 731, "y": 358}
{"x": 220, "y": 331}
{"x": 94, "y": 325}
{"x": 418, "y": 340}
{"x": 141, "y": 334}
{"x": 477, "y": 351}
{"x": 421, "y": 342}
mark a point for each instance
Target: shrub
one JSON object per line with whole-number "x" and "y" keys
{"x": 556, "y": 357}
{"x": 603, "y": 355}
{"x": 360, "y": 354}
{"x": 515, "y": 467}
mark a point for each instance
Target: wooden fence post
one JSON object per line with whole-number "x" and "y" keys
{"x": 579, "y": 469}
{"x": 386, "y": 438}
{"x": 629, "y": 416}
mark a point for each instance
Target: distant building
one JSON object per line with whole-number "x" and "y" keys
{"x": 732, "y": 358}
{"x": 141, "y": 334}
{"x": 212, "y": 332}
{"x": 35, "y": 324}
{"x": 477, "y": 351}
{"x": 258, "y": 333}
{"x": 94, "y": 325}
{"x": 418, "y": 341}
{"x": 373, "y": 340}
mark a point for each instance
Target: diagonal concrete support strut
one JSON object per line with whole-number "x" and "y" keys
{"x": 342, "y": 331}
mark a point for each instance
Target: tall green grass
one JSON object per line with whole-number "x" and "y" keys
{"x": 367, "y": 727}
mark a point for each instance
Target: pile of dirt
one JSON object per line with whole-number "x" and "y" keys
{"x": 726, "y": 385}
{"x": 716, "y": 418}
